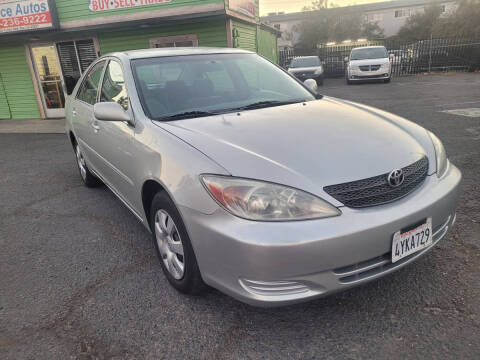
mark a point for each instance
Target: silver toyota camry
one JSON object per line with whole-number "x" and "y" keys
{"x": 251, "y": 182}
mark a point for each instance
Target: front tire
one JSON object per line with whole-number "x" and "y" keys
{"x": 173, "y": 246}
{"x": 88, "y": 178}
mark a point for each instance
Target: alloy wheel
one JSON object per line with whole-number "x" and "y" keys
{"x": 169, "y": 244}
{"x": 81, "y": 163}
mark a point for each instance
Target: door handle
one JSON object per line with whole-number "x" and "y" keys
{"x": 74, "y": 112}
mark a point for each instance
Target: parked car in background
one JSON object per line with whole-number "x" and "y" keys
{"x": 252, "y": 183}
{"x": 307, "y": 67}
{"x": 397, "y": 56}
{"x": 368, "y": 63}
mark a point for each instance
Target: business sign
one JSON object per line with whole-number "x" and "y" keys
{"x": 26, "y": 15}
{"x": 101, "y": 5}
{"x": 246, "y": 7}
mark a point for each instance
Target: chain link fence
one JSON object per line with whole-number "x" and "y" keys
{"x": 407, "y": 58}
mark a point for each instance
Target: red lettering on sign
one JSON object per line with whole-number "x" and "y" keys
{"x": 26, "y": 20}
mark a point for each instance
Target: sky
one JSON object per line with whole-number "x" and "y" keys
{"x": 268, "y": 6}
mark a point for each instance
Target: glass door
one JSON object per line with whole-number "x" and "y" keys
{"x": 49, "y": 76}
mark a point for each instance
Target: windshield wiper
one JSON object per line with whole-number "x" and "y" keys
{"x": 267, "y": 103}
{"x": 187, "y": 115}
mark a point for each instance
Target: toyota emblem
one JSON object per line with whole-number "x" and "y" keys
{"x": 395, "y": 178}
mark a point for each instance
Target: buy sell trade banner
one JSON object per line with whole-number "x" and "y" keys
{"x": 101, "y": 5}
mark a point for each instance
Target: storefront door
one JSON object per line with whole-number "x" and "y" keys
{"x": 49, "y": 77}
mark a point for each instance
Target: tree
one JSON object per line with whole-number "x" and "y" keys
{"x": 464, "y": 22}
{"x": 337, "y": 25}
{"x": 421, "y": 25}
{"x": 371, "y": 31}
{"x": 316, "y": 5}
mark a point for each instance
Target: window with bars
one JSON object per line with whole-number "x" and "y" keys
{"x": 75, "y": 57}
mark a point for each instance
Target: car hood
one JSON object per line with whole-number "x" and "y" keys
{"x": 370, "y": 62}
{"x": 308, "y": 146}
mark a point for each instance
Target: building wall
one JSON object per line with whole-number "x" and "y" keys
{"x": 289, "y": 23}
{"x": 290, "y": 33}
{"x": 209, "y": 32}
{"x": 267, "y": 44}
{"x": 247, "y": 35}
{"x": 391, "y": 24}
{"x": 16, "y": 88}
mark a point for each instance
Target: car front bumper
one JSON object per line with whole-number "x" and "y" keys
{"x": 302, "y": 77}
{"x": 358, "y": 75}
{"x": 272, "y": 264}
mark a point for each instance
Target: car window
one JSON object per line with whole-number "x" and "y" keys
{"x": 368, "y": 53}
{"x": 174, "y": 85}
{"x": 113, "y": 87}
{"x": 89, "y": 89}
{"x": 305, "y": 62}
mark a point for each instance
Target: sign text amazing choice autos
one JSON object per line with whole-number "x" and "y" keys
{"x": 100, "y": 5}
{"x": 22, "y": 15}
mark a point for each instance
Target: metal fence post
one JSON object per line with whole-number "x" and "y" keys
{"x": 430, "y": 54}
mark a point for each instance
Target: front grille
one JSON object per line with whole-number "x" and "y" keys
{"x": 376, "y": 190}
{"x": 369, "y": 67}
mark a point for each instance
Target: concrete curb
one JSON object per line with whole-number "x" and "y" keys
{"x": 32, "y": 126}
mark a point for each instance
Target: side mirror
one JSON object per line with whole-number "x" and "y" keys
{"x": 311, "y": 85}
{"x": 111, "y": 111}
{"x": 345, "y": 59}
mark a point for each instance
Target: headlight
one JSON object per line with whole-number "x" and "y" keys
{"x": 441, "y": 155}
{"x": 319, "y": 71}
{"x": 261, "y": 201}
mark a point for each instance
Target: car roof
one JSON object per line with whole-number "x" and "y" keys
{"x": 176, "y": 51}
{"x": 368, "y": 47}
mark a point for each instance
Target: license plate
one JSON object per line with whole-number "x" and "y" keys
{"x": 411, "y": 241}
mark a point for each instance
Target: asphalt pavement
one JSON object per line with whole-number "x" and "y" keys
{"x": 79, "y": 278}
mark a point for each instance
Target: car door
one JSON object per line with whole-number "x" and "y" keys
{"x": 113, "y": 140}
{"x": 82, "y": 113}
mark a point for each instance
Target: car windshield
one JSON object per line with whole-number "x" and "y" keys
{"x": 368, "y": 53}
{"x": 176, "y": 87}
{"x": 305, "y": 62}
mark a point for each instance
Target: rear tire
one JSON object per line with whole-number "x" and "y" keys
{"x": 87, "y": 177}
{"x": 173, "y": 246}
